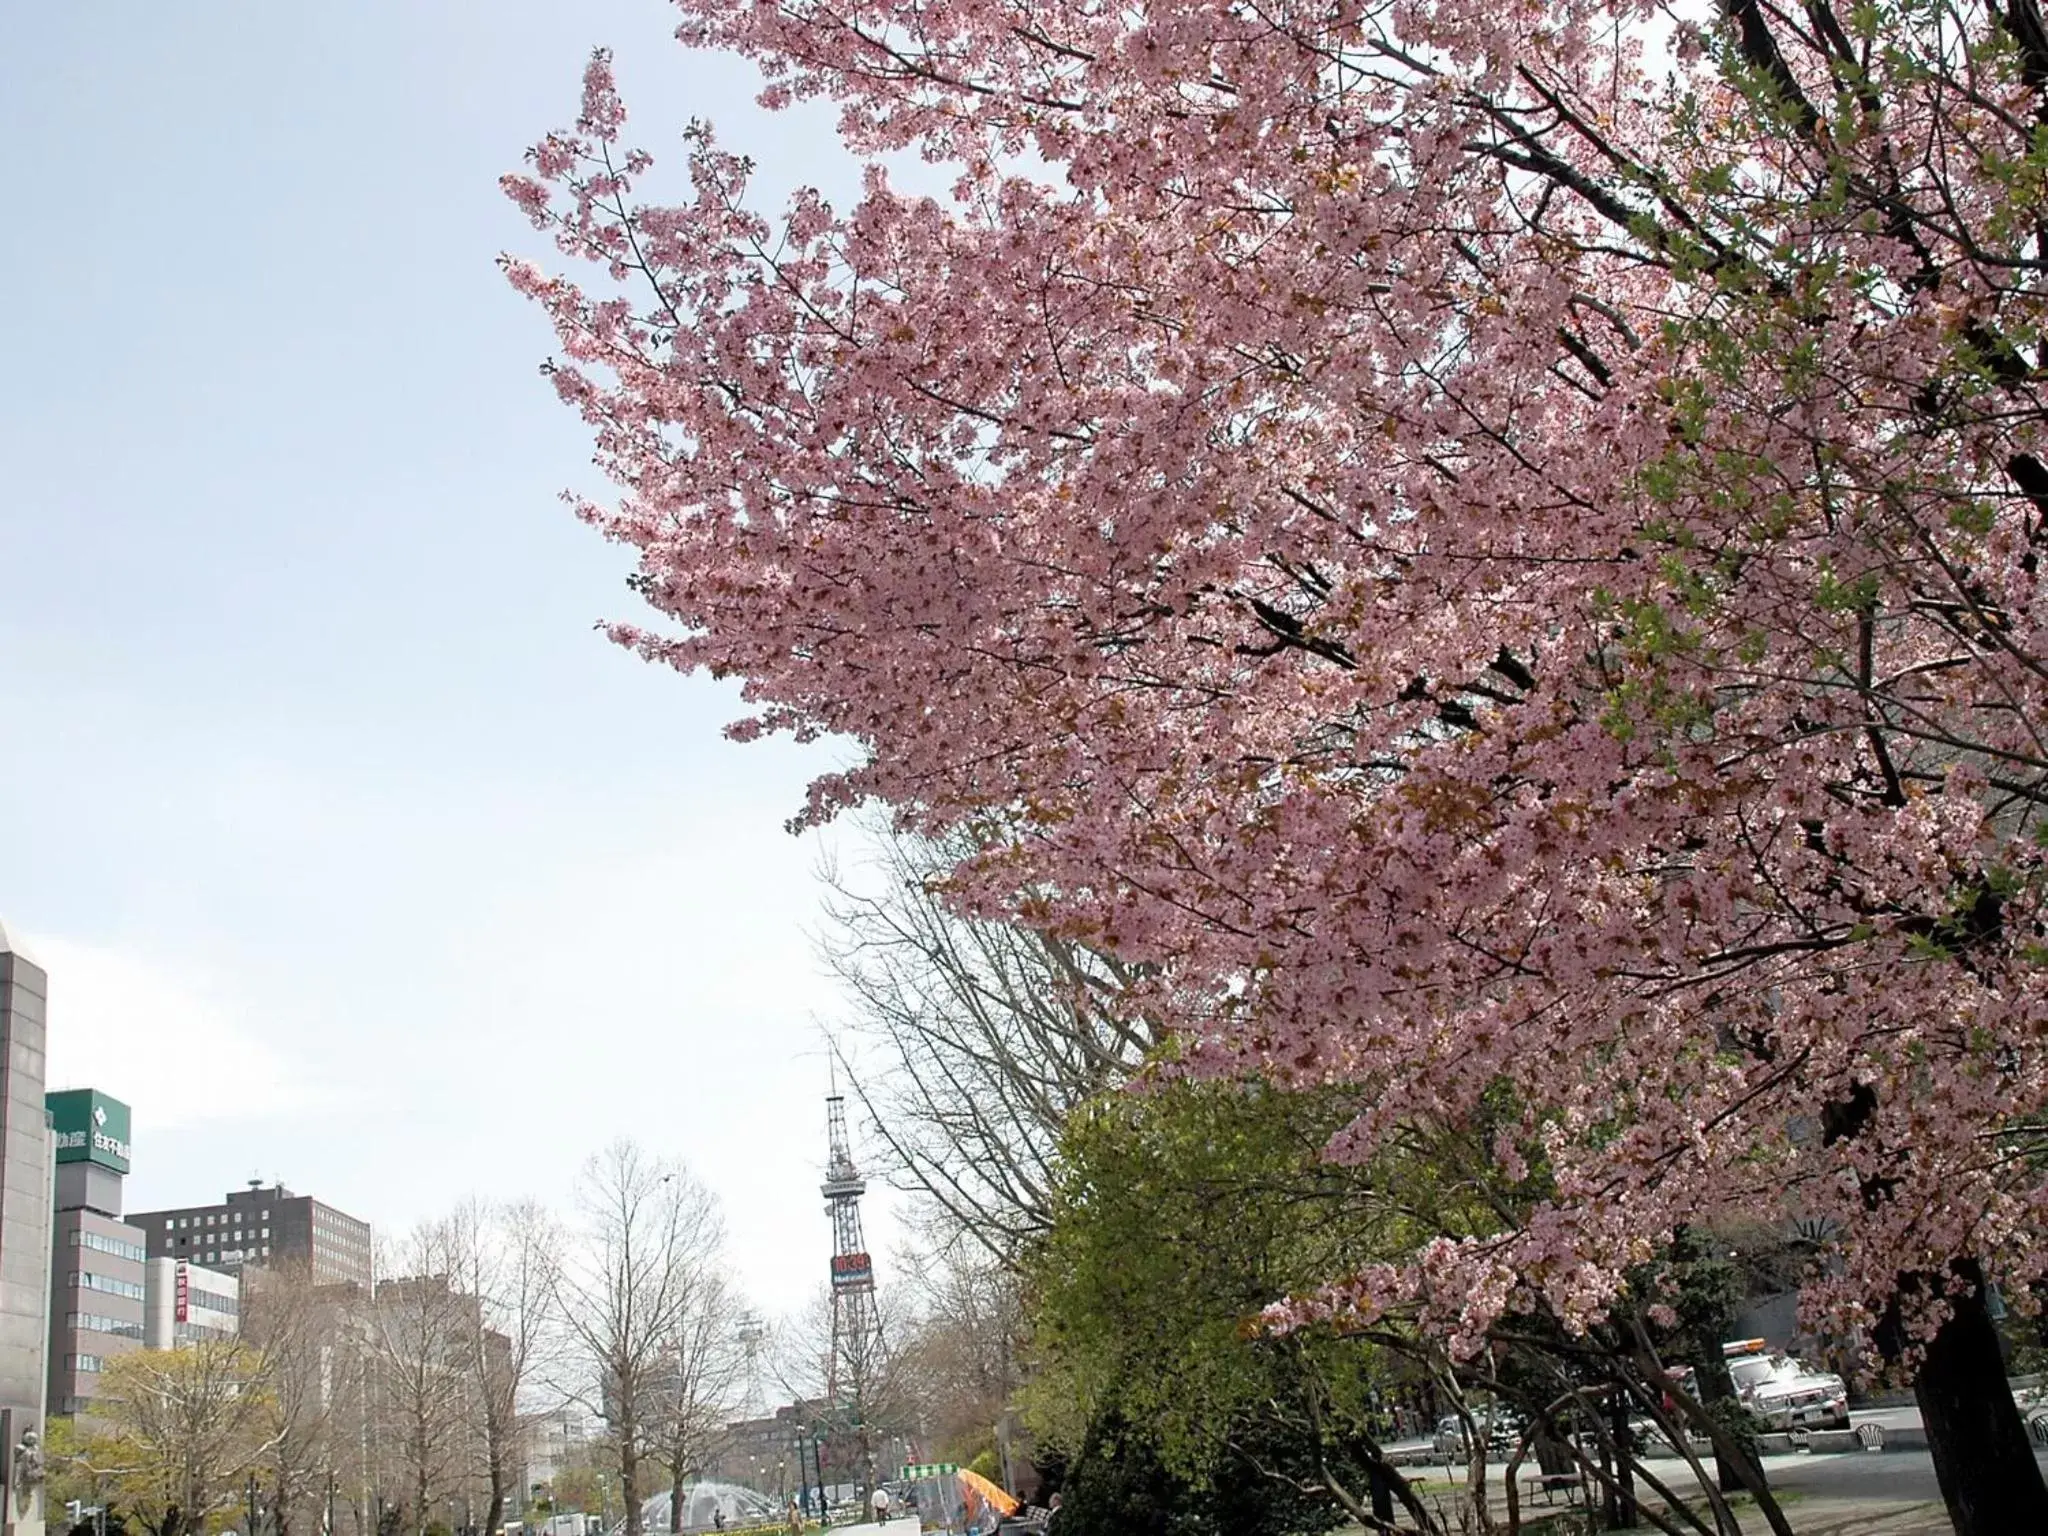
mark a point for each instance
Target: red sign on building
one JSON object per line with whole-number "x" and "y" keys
{"x": 183, "y": 1311}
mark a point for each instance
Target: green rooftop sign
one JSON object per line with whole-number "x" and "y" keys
{"x": 89, "y": 1127}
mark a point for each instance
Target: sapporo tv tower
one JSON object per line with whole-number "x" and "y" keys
{"x": 856, "y": 1325}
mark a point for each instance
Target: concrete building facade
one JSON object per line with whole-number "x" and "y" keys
{"x": 554, "y": 1440}
{"x": 96, "y": 1258}
{"x": 264, "y": 1226}
{"x": 25, "y": 1200}
{"x": 188, "y": 1303}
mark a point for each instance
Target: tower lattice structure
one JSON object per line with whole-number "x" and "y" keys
{"x": 856, "y": 1325}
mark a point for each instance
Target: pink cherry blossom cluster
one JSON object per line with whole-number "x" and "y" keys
{"x": 1494, "y": 553}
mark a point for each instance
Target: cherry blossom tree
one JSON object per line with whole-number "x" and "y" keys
{"x": 1490, "y": 550}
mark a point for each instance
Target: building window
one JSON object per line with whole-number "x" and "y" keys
{"x": 113, "y": 1245}
{"x": 266, "y": 1216}
{"x": 266, "y": 1232}
{"x": 94, "y": 1323}
{"x": 81, "y": 1362}
{"x": 86, "y": 1280}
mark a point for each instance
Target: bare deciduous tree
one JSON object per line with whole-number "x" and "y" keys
{"x": 874, "y": 1403}
{"x": 312, "y": 1362}
{"x": 504, "y": 1258}
{"x": 973, "y": 1040}
{"x": 419, "y": 1327}
{"x": 646, "y": 1235}
{"x": 961, "y": 1353}
{"x": 703, "y": 1365}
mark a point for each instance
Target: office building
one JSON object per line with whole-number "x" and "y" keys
{"x": 24, "y": 1224}
{"x": 556, "y": 1440}
{"x": 96, "y": 1257}
{"x": 763, "y": 1453}
{"x": 188, "y": 1303}
{"x": 266, "y": 1226}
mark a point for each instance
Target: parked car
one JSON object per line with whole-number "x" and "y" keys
{"x": 1784, "y": 1392}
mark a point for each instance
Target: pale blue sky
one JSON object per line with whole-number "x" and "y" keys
{"x": 357, "y": 858}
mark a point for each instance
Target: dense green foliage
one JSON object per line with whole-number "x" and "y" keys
{"x": 1183, "y": 1212}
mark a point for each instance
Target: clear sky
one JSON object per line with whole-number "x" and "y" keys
{"x": 357, "y": 859}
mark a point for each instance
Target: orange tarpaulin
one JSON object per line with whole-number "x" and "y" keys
{"x": 976, "y": 1484}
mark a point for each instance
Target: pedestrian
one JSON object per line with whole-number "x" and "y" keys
{"x": 880, "y": 1501}
{"x": 796, "y": 1518}
{"x": 1052, "y": 1516}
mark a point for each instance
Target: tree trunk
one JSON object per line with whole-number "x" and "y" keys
{"x": 1982, "y": 1460}
{"x": 675, "y": 1494}
{"x": 1382, "y": 1493}
{"x": 1717, "y": 1396}
{"x": 496, "y": 1434}
{"x": 1621, "y": 1498}
{"x": 1708, "y": 1295}
{"x": 629, "y": 1475}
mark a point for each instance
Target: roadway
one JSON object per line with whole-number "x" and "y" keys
{"x": 1892, "y": 1477}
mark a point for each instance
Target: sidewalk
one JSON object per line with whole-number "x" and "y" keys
{"x": 1860, "y": 1517}
{"x": 1891, "y": 1493}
